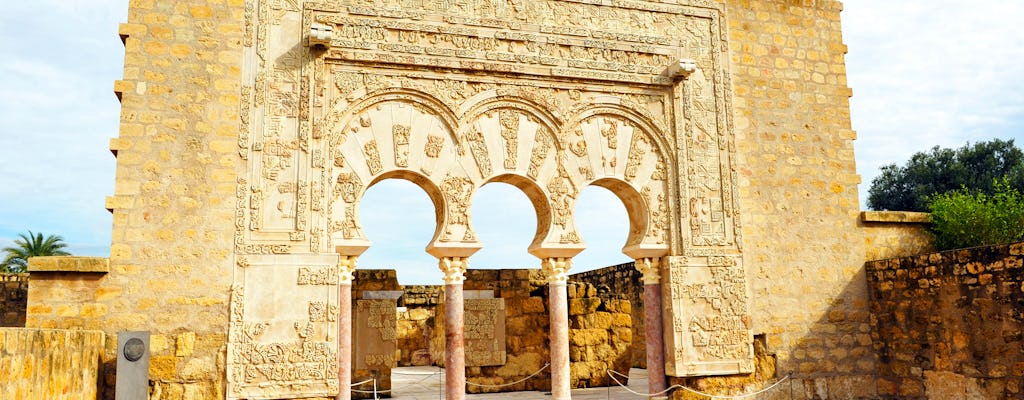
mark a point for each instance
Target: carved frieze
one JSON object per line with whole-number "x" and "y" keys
{"x": 374, "y": 338}
{"x": 451, "y": 94}
{"x": 711, "y": 324}
{"x": 484, "y": 330}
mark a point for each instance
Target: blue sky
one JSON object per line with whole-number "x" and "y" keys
{"x": 923, "y": 73}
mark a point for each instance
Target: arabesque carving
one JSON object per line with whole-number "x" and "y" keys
{"x": 564, "y": 93}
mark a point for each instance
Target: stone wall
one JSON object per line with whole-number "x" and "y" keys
{"x": 948, "y": 325}
{"x": 416, "y": 324}
{"x": 13, "y": 296}
{"x": 890, "y": 234}
{"x": 371, "y": 280}
{"x": 803, "y": 248}
{"x": 600, "y": 336}
{"x": 49, "y": 363}
{"x": 526, "y": 325}
{"x": 174, "y": 202}
{"x": 622, "y": 280}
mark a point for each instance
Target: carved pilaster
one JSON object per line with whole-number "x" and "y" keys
{"x": 454, "y": 269}
{"x": 650, "y": 268}
{"x": 557, "y": 269}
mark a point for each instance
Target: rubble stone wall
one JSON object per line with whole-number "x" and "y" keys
{"x": 622, "y": 280}
{"x": 948, "y": 325}
{"x": 13, "y": 296}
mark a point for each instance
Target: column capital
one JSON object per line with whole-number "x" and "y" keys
{"x": 346, "y": 269}
{"x": 650, "y": 267}
{"x": 454, "y": 269}
{"x": 557, "y": 268}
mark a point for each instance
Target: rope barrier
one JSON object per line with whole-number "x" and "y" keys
{"x": 510, "y": 384}
{"x": 711, "y": 396}
{"x": 610, "y": 372}
{"x": 360, "y": 383}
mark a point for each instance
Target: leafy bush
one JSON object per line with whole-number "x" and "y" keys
{"x": 970, "y": 218}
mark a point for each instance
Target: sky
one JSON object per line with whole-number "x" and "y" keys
{"x": 924, "y": 73}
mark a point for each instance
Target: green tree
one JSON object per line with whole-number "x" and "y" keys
{"x": 31, "y": 245}
{"x": 970, "y": 218}
{"x": 975, "y": 167}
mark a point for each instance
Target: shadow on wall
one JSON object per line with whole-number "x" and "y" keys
{"x": 949, "y": 324}
{"x": 834, "y": 359}
{"x": 13, "y": 299}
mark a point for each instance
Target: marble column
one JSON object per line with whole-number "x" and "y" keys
{"x": 346, "y": 274}
{"x": 653, "y": 329}
{"x": 557, "y": 269}
{"x": 454, "y": 269}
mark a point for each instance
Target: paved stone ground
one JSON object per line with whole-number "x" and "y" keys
{"x": 427, "y": 383}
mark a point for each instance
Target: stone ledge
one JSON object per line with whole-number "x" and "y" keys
{"x": 69, "y": 264}
{"x": 898, "y": 217}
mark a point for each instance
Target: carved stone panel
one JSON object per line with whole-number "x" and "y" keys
{"x": 374, "y": 334}
{"x": 283, "y": 323}
{"x": 707, "y": 318}
{"x": 484, "y": 330}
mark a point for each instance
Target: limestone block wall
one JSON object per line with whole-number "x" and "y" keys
{"x": 600, "y": 336}
{"x": 64, "y": 293}
{"x": 49, "y": 363}
{"x": 370, "y": 280}
{"x": 13, "y": 296}
{"x": 174, "y": 201}
{"x": 416, "y": 324}
{"x": 623, "y": 280}
{"x": 526, "y": 325}
{"x": 803, "y": 248}
{"x": 890, "y": 234}
{"x": 948, "y": 325}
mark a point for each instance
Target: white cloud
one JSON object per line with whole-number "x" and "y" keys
{"x": 927, "y": 73}
{"x": 924, "y": 73}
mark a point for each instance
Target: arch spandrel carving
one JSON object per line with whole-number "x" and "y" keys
{"x": 558, "y": 63}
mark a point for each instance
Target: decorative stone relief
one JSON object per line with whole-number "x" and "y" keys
{"x": 711, "y": 325}
{"x": 457, "y": 193}
{"x": 510, "y": 133}
{"x": 274, "y": 343}
{"x": 401, "y": 137}
{"x": 484, "y": 330}
{"x": 374, "y": 337}
{"x": 396, "y": 88}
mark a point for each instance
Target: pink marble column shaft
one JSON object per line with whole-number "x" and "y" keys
{"x": 455, "y": 352}
{"x": 558, "y": 312}
{"x": 558, "y": 307}
{"x": 454, "y": 269}
{"x": 654, "y": 333}
{"x": 344, "y": 340}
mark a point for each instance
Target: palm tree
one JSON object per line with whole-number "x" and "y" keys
{"x": 31, "y": 245}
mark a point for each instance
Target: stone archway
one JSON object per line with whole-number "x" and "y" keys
{"x": 337, "y": 95}
{"x": 495, "y": 137}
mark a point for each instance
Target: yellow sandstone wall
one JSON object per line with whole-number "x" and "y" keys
{"x": 891, "y": 234}
{"x": 173, "y": 206}
{"x": 49, "y": 363}
{"x": 804, "y": 251}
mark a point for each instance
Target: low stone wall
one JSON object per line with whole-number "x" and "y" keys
{"x": 13, "y": 296}
{"x": 371, "y": 280}
{"x": 65, "y": 293}
{"x": 889, "y": 234}
{"x": 623, "y": 280}
{"x": 526, "y": 325}
{"x": 49, "y": 364}
{"x": 600, "y": 335}
{"x": 949, "y": 325}
{"x": 416, "y": 324}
